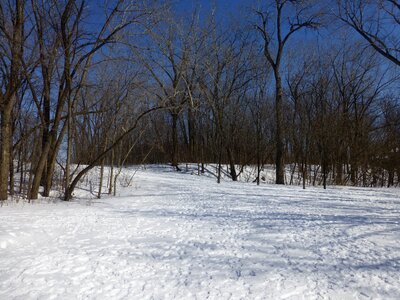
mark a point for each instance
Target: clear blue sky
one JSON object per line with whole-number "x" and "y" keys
{"x": 223, "y": 8}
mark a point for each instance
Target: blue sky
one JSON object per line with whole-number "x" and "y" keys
{"x": 223, "y": 8}
{"x": 221, "y": 5}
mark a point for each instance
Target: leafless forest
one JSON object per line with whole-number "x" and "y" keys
{"x": 312, "y": 86}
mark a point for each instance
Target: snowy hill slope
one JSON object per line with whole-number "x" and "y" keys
{"x": 181, "y": 236}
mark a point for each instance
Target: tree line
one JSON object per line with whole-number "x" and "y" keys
{"x": 308, "y": 86}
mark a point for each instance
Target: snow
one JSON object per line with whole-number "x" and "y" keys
{"x": 181, "y": 236}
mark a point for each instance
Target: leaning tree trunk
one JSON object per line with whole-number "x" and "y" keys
{"x": 51, "y": 161}
{"x": 117, "y": 141}
{"x": 38, "y": 173}
{"x": 44, "y": 154}
{"x": 49, "y": 173}
{"x": 231, "y": 165}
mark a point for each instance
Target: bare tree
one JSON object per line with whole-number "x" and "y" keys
{"x": 225, "y": 78}
{"x": 171, "y": 63}
{"x": 278, "y": 24}
{"x": 11, "y": 53}
{"x": 78, "y": 48}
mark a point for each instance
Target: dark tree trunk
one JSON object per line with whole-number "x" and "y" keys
{"x": 324, "y": 171}
{"x": 174, "y": 154}
{"x": 279, "y": 135}
{"x": 232, "y": 168}
{"x": 339, "y": 173}
{"x": 192, "y": 134}
{"x": 391, "y": 177}
{"x": 112, "y": 181}
{"x": 219, "y": 167}
{"x": 9, "y": 98}
{"x": 353, "y": 173}
{"x": 5, "y": 153}
{"x": 12, "y": 182}
{"x": 258, "y": 159}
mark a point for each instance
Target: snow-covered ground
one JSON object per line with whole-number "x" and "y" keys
{"x": 181, "y": 236}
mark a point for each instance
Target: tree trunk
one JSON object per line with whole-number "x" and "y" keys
{"x": 12, "y": 183}
{"x": 101, "y": 179}
{"x": 112, "y": 180}
{"x": 93, "y": 163}
{"x": 48, "y": 182}
{"x": 191, "y": 128}
{"x": 339, "y": 173}
{"x": 5, "y": 155}
{"x": 20, "y": 169}
{"x": 219, "y": 166}
{"x": 232, "y": 168}
{"x": 69, "y": 149}
{"x": 324, "y": 172}
{"x": 202, "y": 155}
{"x": 353, "y": 173}
{"x": 258, "y": 160}
{"x": 45, "y": 139}
{"x": 38, "y": 172}
{"x": 279, "y": 137}
{"x": 8, "y": 100}
{"x": 174, "y": 154}
{"x": 391, "y": 177}
{"x": 54, "y": 143}
{"x": 51, "y": 160}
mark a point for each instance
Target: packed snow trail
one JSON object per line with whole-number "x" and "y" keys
{"x": 181, "y": 236}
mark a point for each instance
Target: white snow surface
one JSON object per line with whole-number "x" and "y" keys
{"x": 181, "y": 236}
